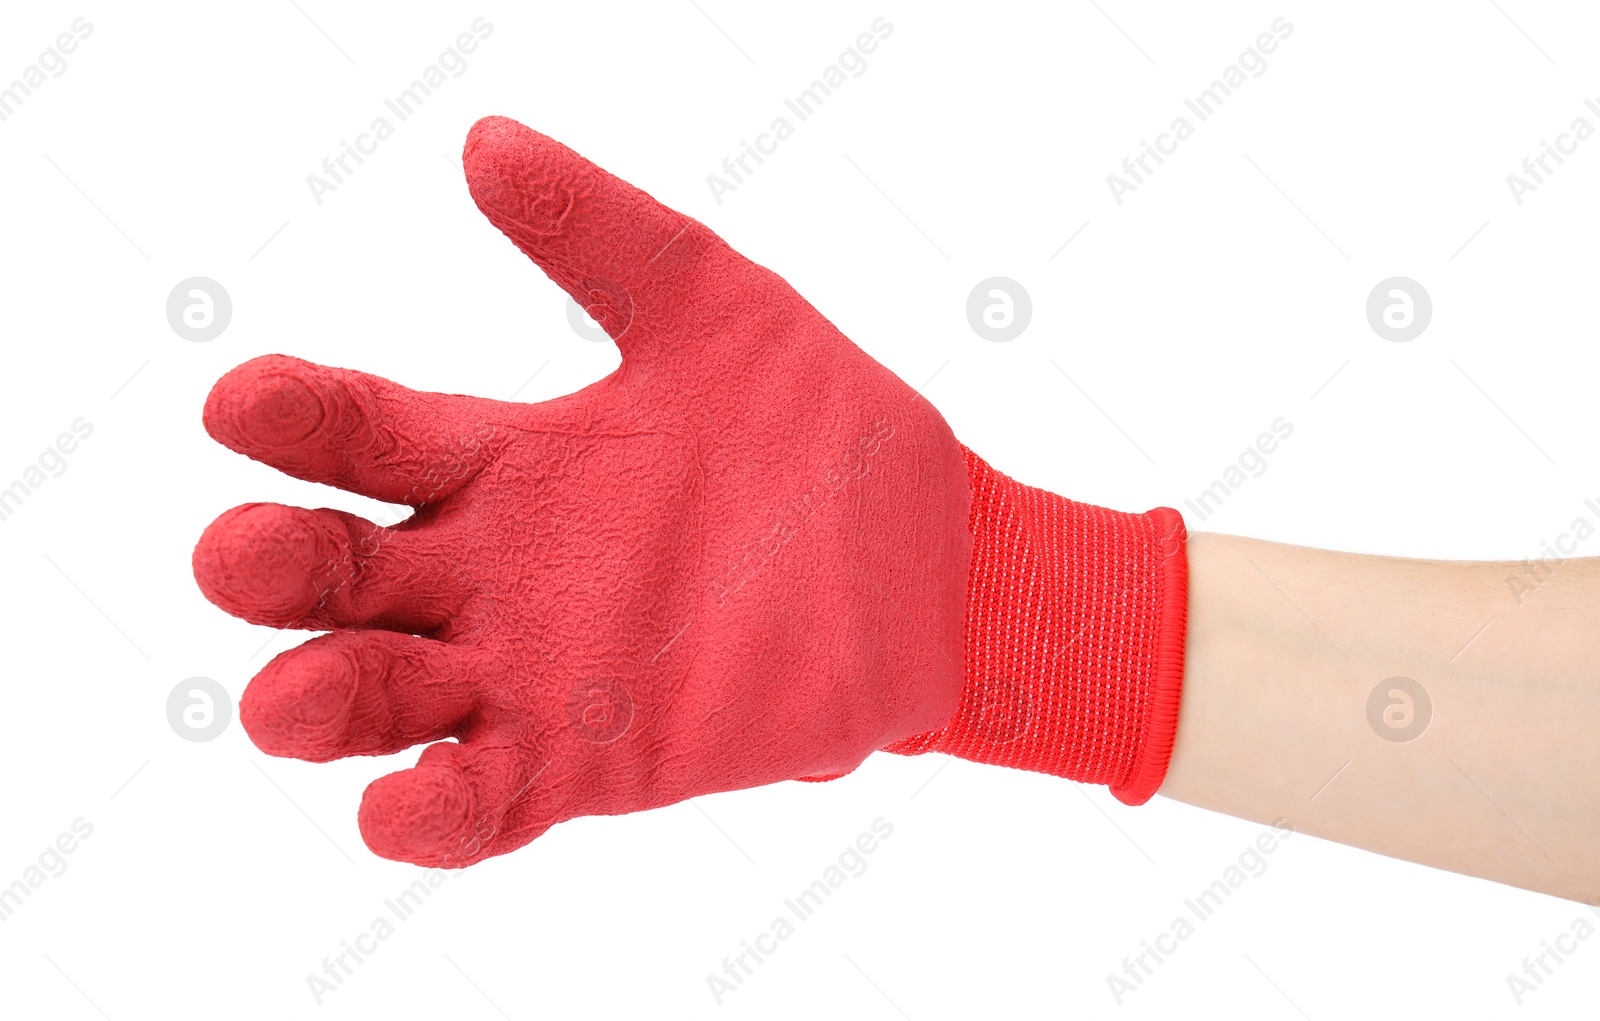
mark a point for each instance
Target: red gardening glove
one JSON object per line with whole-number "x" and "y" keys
{"x": 742, "y": 557}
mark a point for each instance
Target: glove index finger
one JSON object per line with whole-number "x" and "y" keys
{"x": 349, "y": 429}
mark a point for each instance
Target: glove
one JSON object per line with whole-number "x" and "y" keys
{"x": 749, "y": 554}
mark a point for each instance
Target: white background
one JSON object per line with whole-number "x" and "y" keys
{"x": 1225, "y": 292}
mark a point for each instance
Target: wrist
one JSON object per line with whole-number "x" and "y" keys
{"x": 1074, "y": 638}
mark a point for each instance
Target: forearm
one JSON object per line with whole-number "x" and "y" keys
{"x": 1285, "y": 648}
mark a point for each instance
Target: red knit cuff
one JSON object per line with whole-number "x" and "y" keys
{"x": 1074, "y": 639}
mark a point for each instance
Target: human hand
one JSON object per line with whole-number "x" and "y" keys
{"x": 742, "y": 557}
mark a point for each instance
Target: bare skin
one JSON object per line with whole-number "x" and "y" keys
{"x": 1285, "y": 646}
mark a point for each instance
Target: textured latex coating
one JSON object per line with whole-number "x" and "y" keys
{"x": 740, "y": 558}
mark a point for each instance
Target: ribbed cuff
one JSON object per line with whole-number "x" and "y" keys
{"x": 1074, "y": 639}
{"x": 1160, "y": 726}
